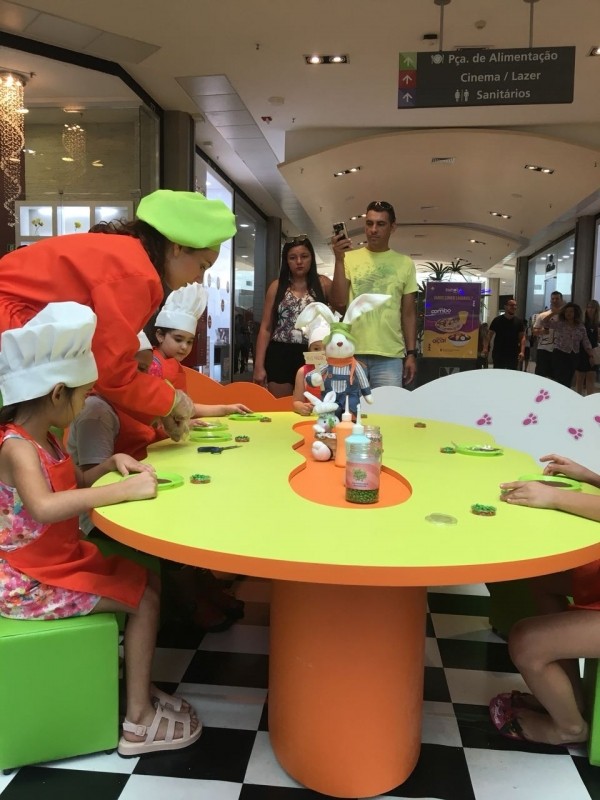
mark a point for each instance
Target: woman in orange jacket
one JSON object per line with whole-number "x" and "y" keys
{"x": 119, "y": 271}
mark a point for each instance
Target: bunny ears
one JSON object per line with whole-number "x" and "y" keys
{"x": 359, "y": 306}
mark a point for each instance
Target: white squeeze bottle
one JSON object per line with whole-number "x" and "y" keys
{"x": 342, "y": 430}
{"x": 362, "y": 467}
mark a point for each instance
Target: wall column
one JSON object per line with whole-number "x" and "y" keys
{"x": 583, "y": 264}
{"x": 178, "y": 151}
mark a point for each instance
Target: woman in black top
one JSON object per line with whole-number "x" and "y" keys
{"x": 585, "y": 373}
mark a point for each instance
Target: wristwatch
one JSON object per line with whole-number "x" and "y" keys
{"x": 411, "y": 353}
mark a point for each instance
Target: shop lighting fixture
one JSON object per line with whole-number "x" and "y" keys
{"x": 476, "y": 241}
{"x": 97, "y": 163}
{"x": 536, "y": 168}
{"x": 346, "y": 171}
{"x": 357, "y": 216}
{"x": 595, "y": 51}
{"x": 12, "y": 137}
{"x": 499, "y": 214}
{"x": 318, "y": 59}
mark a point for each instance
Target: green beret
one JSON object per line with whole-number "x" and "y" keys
{"x": 188, "y": 218}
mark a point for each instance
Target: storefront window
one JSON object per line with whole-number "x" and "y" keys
{"x": 216, "y": 358}
{"x": 249, "y": 249}
{"x": 549, "y": 271}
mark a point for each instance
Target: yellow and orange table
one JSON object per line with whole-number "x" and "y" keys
{"x": 349, "y": 595}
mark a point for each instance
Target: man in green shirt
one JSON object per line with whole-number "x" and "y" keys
{"x": 385, "y": 338}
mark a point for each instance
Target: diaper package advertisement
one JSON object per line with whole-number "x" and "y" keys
{"x": 451, "y": 319}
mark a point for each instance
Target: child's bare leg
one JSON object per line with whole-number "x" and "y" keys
{"x": 550, "y": 592}
{"x": 539, "y": 646}
{"x": 139, "y": 643}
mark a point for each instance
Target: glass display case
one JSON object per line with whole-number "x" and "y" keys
{"x": 37, "y": 220}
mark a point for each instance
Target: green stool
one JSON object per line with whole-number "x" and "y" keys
{"x": 58, "y": 688}
{"x": 591, "y": 689}
{"x": 510, "y": 601}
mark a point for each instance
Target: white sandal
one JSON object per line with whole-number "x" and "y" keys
{"x": 173, "y": 702}
{"x": 153, "y": 745}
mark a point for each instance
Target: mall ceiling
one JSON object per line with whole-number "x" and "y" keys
{"x": 281, "y": 128}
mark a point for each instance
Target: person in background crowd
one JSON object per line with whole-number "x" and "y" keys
{"x": 569, "y": 335}
{"x": 545, "y": 336}
{"x": 585, "y": 373}
{"x": 507, "y": 338}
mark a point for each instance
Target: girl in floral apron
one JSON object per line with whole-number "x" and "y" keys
{"x": 46, "y": 570}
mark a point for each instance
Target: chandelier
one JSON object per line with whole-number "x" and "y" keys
{"x": 12, "y": 137}
{"x": 73, "y": 139}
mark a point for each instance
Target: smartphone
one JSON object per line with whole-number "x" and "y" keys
{"x": 340, "y": 227}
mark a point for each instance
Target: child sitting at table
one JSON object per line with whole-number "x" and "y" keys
{"x": 193, "y": 595}
{"x": 46, "y": 570}
{"x": 545, "y": 649}
{"x": 315, "y": 332}
{"x": 175, "y": 330}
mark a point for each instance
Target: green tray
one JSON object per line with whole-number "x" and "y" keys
{"x": 166, "y": 480}
{"x": 208, "y": 435}
{"x": 246, "y": 417}
{"x": 212, "y": 425}
{"x": 479, "y": 450}
{"x": 558, "y": 481}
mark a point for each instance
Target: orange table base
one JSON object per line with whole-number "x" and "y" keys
{"x": 346, "y": 685}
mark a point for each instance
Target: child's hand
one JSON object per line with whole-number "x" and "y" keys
{"x": 305, "y": 409}
{"x": 236, "y": 408}
{"x": 529, "y": 493}
{"x": 141, "y": 486}
{"x": 560, "y": 465}
{"x": 198, "y": 423}
{"x": 125, "y": 464}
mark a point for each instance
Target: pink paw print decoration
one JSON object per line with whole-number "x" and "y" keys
{"x": 597, "y": 419}
{"x": 530, "y": 419}
{"x": 542, "y": 395}
{"x": 485, "y": 419}
{"x": 576, "y": 433}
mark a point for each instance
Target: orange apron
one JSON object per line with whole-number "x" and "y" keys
{"x": 59, "y": 557}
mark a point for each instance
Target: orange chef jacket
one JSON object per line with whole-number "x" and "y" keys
{"x": 111, "y": 274}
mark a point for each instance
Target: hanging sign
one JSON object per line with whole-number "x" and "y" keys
{"x": 469, "y": 77}
{"x": 451, "y": 324}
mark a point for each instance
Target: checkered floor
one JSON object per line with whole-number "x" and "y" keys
{"x": 225, "y": 677}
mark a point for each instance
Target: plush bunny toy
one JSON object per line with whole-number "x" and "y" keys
{"x": 342, "y": 374}
{"x": 324, "y": 426}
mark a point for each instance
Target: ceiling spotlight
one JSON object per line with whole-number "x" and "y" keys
{"x": 358, "y": 216}
{"x": 476, "y": 241}
{"x": 346, "y": 171}
{"x": 536, "y": 168}
{"x": 96, "y": 163}
{"x": 335, "y": 59}
{"x": 499, "y": 214}
{"x": 595, "y": 51}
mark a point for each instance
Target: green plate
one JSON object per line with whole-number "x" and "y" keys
{"x": 166, "y": 480}
{"x": 213, "y": 425}
{"x": 210, "y": 436}
{"x": 479, "y": 450}
{"x": 558, "y": 481}
{"x": 246, "y": 417}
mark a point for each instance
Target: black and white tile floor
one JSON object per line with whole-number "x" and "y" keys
{"x": 225, "y": 677}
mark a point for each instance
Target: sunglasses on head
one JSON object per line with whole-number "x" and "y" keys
{"x": 380, "y": 205}
{"x": 302, "y": 239}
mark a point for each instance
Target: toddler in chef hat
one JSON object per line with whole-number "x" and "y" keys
{"x": 175, "y": 331}
{"x": 46, "y": 370}
{"x": 315, "y": 332}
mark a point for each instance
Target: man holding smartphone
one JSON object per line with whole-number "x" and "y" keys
{"x": 386, "y": 338}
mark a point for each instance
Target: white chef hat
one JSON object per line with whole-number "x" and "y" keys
{"x": 53, "y": 347}
{"x": 183, "y": 308}
{"x": 144, "y": 342}
{"x": 317, "y": 330}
